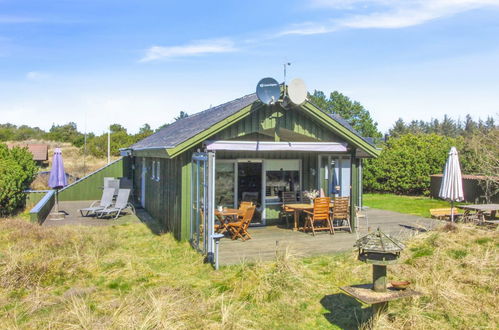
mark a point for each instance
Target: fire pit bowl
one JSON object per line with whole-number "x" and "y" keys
{"x": 400, "y": 285}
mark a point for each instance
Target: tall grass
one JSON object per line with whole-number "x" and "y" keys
{"x": 75, "y": 162}
{"x": 123, "y": 276}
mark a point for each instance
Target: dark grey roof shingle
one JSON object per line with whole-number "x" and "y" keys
{"x": 184, "y": 129}
{"x": 345, "y": 124}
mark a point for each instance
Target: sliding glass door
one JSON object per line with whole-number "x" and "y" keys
{"x": 225, "y": 184}
{"x": 257, "y": 180}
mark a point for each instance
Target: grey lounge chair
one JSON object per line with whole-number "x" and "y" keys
{"x": 118, "y": 207}
{"x": 105, "y": 202}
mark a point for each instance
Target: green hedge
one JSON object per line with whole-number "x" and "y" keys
{"x": 406, "y": 163}
{"x": 17, "y": 171}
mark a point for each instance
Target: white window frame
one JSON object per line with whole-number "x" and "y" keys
{"x": 158, "y": 168}
{"x": 153, "y": 170}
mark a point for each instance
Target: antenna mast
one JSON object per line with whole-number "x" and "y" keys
{"x": 285, "y": 65}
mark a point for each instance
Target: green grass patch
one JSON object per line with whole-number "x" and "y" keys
{"x": 458, "y": 253}
{"x": 416, "y": 205}
{"x": 483, "y": 240}
{"x": 422, "y": 251}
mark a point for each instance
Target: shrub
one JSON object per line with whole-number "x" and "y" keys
{"x": 17, "y": 171}
{"x": 406, "y": 163}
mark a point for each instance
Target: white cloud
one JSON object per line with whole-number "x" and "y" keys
{"x": 410, "y": 13}
{"x": 195, "y": 48}
{"x": 36, "y": 76}
{"x": 386, "y": 14}
{"x": 307, "y": 29}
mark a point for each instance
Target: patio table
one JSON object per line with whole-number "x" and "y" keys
{"x": 300, "y": 207}
{"x": 225, "y": 216}
{"x": 480, "y": 210}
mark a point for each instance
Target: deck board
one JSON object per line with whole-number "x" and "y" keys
{"x": 268, "y": 240}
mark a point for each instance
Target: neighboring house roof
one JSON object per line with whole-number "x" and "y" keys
{"x": 39, "y": 151}
{"x": 174, "y": 137}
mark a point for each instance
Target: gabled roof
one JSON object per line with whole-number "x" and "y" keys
{"x": 183, "y": 129}
{"x": 181, "y": 135}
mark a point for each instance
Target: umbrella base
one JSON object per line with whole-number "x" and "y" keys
{"x": 56, "y": 216}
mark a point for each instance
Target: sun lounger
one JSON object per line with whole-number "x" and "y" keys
{"x": 118, "y": 207}
{"x": 106, "y": 201}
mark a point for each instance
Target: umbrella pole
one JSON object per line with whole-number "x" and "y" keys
{"x": 57, "y": 200}
{"x": 451, "y": 211}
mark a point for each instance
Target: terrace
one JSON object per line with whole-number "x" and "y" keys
{"x": 268, "y": 240}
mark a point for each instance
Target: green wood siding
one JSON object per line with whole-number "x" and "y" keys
{"x": 163, "y": 197}
{"x": 34, "y": 196}
{"x": 90, "y": 187}
{"x": 42, "y": 209}
{"x": 268, "y": 118}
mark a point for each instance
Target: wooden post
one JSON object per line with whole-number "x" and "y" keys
{"x": 379, "y": 285}
{"x": 379, "y": 278}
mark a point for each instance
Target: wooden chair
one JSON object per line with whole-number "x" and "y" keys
{"x": 288, "y": 197}
{"x": 222, "y": 227}
{"x": 341, "y": 214}
{"x": 242, "y": 209}
{"x": 319, "y": 215}
{"x": 239, "y": 229}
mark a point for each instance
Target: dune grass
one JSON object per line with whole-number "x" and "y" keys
{"x": 75, "y": 163}
{"x": 416, "y": 205}
{"x": 122, "y": 277}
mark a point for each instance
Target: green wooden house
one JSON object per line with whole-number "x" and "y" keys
{"x": 244, "y": 149}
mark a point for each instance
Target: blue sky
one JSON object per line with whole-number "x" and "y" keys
{"x": 135, "y": 62}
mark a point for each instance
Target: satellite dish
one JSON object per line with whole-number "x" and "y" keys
{"x": 297, "y": 91}
{"x": 268, "y": 90}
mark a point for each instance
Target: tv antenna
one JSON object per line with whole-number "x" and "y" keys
{"x": 285, "y": 65}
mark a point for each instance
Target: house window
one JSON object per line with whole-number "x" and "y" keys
{"x": 153, "y": 170}
{"x": 281, "y": 176}
{"x": 158, "y": 170}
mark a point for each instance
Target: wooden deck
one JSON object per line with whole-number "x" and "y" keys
{"x": 267, "y": 240}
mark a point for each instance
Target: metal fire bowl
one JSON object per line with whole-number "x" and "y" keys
{"x": 400, "y": 285}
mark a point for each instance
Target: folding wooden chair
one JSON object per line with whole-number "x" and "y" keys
{"x": 239, "y": 229}
{"x": 319, "y": 215}
{"x": 341, "y": 214}
{"x": 242, "y": 209}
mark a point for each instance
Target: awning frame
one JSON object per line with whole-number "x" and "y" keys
{"x": 276, "y": 146}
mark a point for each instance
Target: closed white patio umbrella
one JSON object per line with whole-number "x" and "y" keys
{"x": 451, "y": 188}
